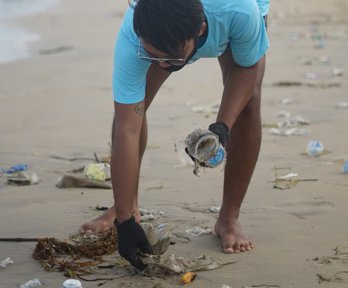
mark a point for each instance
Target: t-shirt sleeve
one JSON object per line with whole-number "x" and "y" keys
{"x": 249, "y": 41}
{"x": 129, "y": 74}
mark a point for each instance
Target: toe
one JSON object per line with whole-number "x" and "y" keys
{"x": 236, "y": 248}
{"x": 249, "y": 246}
{"x": 242, "y": 248}
{"x": 228, "y": 250}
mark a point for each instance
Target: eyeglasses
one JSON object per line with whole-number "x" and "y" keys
{"x": 142, "y": 54}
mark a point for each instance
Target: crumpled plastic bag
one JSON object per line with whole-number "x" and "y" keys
{"x": 171, "y": 265}
{"x": 22, "y": 178}
{"x": 159, "y": 237}
{"x": 97, "y": 171}
{"x": 160, "y": 264}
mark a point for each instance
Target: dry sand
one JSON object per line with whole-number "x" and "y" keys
{"x": 61, "y": 104}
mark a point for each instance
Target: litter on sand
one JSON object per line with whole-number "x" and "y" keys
{"x": 290, "y": 126}
{"x": 286, "y": 101}
{"x": 97, "y": 171}
{"x": 293, "y": 121}
{"x": 337, "y": 277}
{"x": 206, "y": 110}
{"x": 85, "y": 254}
{"x": 158, "y": 237}
{"x": 55, "y": 50}
{"x": 68, "y": 181}
{"x": 13, "y": 169}
{"x": 150, "y": 215}
{"x": 214, "y": 209}
{"x": 312, "y": 75}
{"x": 289, "y": 131}
{"x": 188, "y": 277}
{"x": 288, "y": 180}
{"x": 314, "y": 148}
{"x": 22, "y": 178}
{"x": 162, "y": 264}
{"x": 159, "y": 266}
{"x": 16, "y": 175}
{"x": 5, "y": 262}
{"x": 31, "y": 283}
{"x": 72, "y": 283}
{"x": 337, "y": 72}
{"x": 199, "y": 231}
{"x": 338, "y": 259}
{"x": 283, "y": 114}
{"x": 78, "y": 255}
{"x": 345, "y": 168}
{"x": 319, "y": 84}
{"x": 342, "y": 105}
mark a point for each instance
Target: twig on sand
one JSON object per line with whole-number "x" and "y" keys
{"x": 265, "y": 285}
{"x": 18, "y": 239}
{"x": 333, "y": 278}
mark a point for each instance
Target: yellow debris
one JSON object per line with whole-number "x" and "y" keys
{"x": 188, "y": 277}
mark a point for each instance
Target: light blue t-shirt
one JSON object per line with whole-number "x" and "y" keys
{"x": 231, "y": 23}
{"x": 263, "y": 6}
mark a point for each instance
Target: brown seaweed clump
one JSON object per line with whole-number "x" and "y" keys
{"x": 77, "y": 256}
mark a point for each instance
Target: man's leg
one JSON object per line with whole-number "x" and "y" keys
{"x": 242, "y": 153}
{"x": 155, "y": 78}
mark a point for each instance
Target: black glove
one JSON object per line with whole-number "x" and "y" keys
{"x": 130, "y": 238}
{"x": 221, "y": 130}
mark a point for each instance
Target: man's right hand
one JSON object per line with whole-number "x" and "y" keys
{"x": 131, "y": 238}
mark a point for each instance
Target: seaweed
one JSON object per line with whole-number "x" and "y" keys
{"x": 77, "y": 256}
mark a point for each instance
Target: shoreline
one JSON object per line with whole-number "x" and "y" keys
{"x": 16, "y": 39}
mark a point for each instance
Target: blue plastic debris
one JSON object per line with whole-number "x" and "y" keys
{"x": 16, "y": 168}
{"x": 345, "y": 168}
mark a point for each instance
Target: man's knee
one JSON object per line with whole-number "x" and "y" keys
{"x": 252, "y": 108}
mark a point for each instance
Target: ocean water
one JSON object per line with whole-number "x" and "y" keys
{"x": 14, "y": 39}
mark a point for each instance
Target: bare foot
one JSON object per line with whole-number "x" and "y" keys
{"x": 104, "y": 222}
{"x": 233, "y": 239}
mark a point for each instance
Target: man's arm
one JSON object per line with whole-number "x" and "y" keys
{"x": 239, "y": 85}
{"x": 125, "y": 160}
{"x": 125, "y": 156}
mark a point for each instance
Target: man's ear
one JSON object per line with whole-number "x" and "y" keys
{"x": 202, "y": 29}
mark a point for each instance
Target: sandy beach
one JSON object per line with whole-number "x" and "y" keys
{"x": 56, "y": 109}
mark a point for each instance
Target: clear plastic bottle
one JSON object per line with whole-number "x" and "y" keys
{"x": 217, "y": 159}
{"x": 315, "y": 148}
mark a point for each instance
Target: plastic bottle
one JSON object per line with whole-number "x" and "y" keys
{"x": 217, "y": 159}
{"x": 31, "y": 283}
{"x": 315, "y": 148}
{"x": 345, "y": 168}
{"x": 72, "y": 283}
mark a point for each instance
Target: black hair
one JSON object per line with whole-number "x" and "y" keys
{"x": 168, "y": 24}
